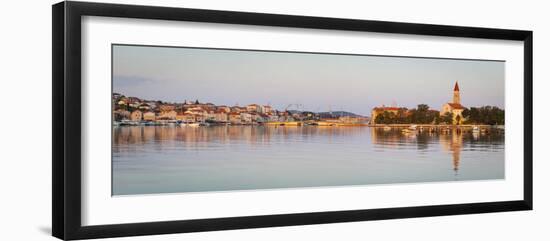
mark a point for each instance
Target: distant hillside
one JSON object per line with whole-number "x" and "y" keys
{"x": 336, "y": 114}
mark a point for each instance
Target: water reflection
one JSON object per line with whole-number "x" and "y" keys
{"x": 153, "y": 159}
{"x": 203, "y": 136}
{"x": 453, "y": 144}
{"x": 451, "y": 141}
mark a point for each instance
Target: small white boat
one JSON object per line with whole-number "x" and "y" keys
{"x": 412, "y": 127}
{"x": 196, "y": 124}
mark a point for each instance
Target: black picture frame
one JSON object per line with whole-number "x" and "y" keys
{"x": 66, "y": 128}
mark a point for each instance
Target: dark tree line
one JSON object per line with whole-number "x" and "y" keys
{"x": 391, "y": 117}
{"x": 420, "y": 115}
{"x": 423, "y": 115}
{"x": 489, "y": 115}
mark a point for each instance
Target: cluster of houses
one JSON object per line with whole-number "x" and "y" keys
{"x": 137, "y": 110}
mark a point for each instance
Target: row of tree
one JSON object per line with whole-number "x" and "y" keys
{"x": 489, "y": 115}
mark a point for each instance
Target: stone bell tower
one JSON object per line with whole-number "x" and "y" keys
{"x": 456, "y": 94}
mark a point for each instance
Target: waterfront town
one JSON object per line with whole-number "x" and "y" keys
{"x": 135, "y": 111}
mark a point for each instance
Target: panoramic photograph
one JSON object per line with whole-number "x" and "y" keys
{"x": 208, "y": 120}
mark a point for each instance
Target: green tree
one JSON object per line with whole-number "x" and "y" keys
{"x": 123, "y": 107}
{"x": 421, "y": 115}
{"x": 433, "y": 117}
{"x": 489, "y": 115}
{"x": 423, "y": 108}
{"x": 466, "y": 114}
{"x": 437, "y": 119}
{"x": 447, "y": 118}
{"x": 401, "y": 116}
{"x": 386, "y": 118}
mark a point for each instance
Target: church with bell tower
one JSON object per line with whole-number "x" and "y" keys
{"x": 456, "y": 94}
{"x": 454, "y": 107}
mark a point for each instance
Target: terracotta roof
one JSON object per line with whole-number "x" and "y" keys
{"x": 455, "y": 106}
{"x": 456, "y": 86}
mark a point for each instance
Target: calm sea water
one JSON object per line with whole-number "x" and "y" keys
{"x": 162, "y": 159}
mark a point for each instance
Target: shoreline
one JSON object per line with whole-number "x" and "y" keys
{"x": 315, "y": 124}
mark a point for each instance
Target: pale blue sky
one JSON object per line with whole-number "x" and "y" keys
{"x": 316, "y": 81}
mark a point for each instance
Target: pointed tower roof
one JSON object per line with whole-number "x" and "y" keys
{"x": 456, "y": 86}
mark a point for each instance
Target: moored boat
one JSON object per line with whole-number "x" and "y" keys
{"x": 128, "y": 123}
{"x": 326, "y": 123}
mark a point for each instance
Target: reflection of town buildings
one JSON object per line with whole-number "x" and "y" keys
{"x": 166, "y": 139}
{"x": 215, "y": 135}
{"x": 396, "y": 139}
{"x": 391, "y": 139}
{"x": 453, "y": 143}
